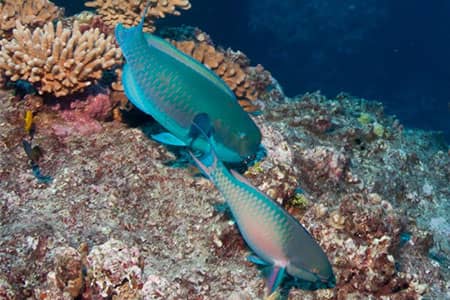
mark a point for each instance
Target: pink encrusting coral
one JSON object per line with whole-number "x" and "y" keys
{"x": 97, "y": 106}
{"x": 75, "y": 123}
{"x": 82, "y": 117}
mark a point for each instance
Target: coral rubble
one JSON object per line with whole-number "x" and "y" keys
{"x": 112, "y": 267}
{"x": 31, "y": 13}
{"x": 113, "y": 191}
{"x": 129, "y": 13}
{"x": 59, "y": 61}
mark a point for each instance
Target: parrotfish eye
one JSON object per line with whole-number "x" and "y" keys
{"x": 242, "y": 136}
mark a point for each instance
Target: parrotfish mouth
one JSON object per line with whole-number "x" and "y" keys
{"x": 329, "y": 282}
{"x": 319, "y": 283}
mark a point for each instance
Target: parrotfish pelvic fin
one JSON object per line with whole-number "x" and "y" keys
{"x": 201, "y": 126}
{"x": 274, "y": 274}
{"x": 275, "y": 278}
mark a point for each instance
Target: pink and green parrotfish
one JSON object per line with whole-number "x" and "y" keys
{"x": 279, "y": 241}
{"x": 174, "y": 88}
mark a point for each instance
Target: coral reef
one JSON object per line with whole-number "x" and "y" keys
{"x": 66, "y": 280}
{"x": 114, "y": 269}
{"x": 82, "y": 115}
{"x": 153, "y": 232}
{"x": 30, "y": 13}
{"x": 59, "y": 61}
{"x": 129, "y": 12}
{"x": 374, "y": 194}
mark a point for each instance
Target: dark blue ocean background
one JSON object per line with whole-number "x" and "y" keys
{"x": 397, "y": 52}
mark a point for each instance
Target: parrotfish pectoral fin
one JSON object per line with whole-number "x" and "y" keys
{"x": 275, "y": 278}
{"x": 256, "y": 260}
{"x": 201, "y": 126}
{"x": 168, "y": 139}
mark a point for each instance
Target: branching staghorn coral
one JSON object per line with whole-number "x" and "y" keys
{"x": 58, "y": 61}
{"x": 31, "y": 13}
{"x": 128, "y": 12}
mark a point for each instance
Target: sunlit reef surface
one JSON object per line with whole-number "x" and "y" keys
{"x": 124, "y": 217}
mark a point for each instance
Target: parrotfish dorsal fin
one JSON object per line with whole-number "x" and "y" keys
{"x": 141, "y": 23}
{"x": 240, "y": 178}
{"x": 167, "y": 48}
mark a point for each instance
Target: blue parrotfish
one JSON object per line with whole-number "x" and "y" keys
{"x": 279, "y": 241}
{"x": 173, "y": 88}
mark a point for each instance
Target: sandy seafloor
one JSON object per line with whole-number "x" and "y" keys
{"x": 120, "y": 222}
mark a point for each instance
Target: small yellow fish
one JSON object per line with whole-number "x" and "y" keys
{"x": 28, "y": 120}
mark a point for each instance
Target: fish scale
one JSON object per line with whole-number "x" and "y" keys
{"x": 276, "y": 237}
{"x": 174, "y": 89}
{"x": 239, "y": 199}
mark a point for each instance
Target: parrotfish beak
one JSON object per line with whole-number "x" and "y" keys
{"x": 330, "y": 282}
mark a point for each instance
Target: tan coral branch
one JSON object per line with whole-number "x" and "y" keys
{"x": 31, "y": 13}
{"x": 59, "y": 60}
{"x": 129, "y": 12}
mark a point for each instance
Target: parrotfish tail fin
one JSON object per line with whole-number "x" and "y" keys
{"x": 208, "y": 162}
{"x": 275, "y": 278}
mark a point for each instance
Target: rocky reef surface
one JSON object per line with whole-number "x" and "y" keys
{"x": 121, "y": 219}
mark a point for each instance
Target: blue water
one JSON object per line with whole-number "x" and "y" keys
{"x": 396, "y": 52}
